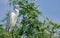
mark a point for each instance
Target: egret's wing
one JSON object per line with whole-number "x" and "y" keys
{"x": 13, "y": 18}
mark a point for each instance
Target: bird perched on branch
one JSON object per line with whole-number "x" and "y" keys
{"x": 12, "y": 19}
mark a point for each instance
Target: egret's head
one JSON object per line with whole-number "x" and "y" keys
{"x": 17, "y": 6}
{"x": 17, "y": 9}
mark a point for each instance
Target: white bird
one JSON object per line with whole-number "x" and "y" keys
{"x": 12, "y": 19}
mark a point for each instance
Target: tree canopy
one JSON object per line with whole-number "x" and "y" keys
{"x": 28, "y": 24}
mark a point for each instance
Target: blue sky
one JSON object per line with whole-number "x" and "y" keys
{"x": 3, "y": 8}
{"x": 50, "y": 8}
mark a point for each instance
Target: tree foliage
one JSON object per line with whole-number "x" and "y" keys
{"x": 28, "y": 24}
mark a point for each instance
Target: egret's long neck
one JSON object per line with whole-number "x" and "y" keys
{"x": 17, "y": 12}
{"x": 16, "y": 9}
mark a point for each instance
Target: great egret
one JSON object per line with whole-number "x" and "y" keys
{"x": 12, "y": 19}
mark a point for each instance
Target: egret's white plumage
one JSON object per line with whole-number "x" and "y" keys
{"x": 12, "y": 20}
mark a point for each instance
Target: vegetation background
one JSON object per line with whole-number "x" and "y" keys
{"x": 28, "y": 24}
